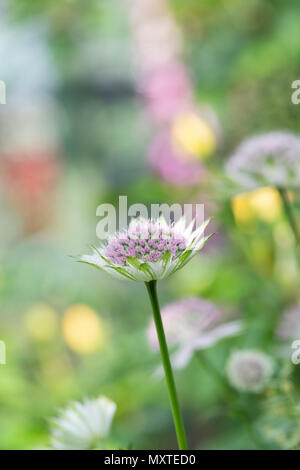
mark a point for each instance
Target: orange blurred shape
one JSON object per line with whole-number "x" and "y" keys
{"x": 30, "y": 175}
{"x": 30, "y": 180}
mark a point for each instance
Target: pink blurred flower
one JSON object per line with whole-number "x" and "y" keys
{"x": 192, "y": 324}
{"x": 170, "y": 165}
{"x": 268, "y": 159}
{"x": 167, "y": 92}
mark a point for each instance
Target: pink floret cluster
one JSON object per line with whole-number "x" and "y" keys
{"x": 146, "y": 243}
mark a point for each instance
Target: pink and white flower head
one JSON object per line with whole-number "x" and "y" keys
{"x": 289, "y": 325}
{"x": 249, "y": 370}
{"x": 148, "y": 250}
{"x": 268, "y": 159}
{"x": 191, "y": 324}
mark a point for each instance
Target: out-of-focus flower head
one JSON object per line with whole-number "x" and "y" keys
{"x": 83, "y": 330}
{"x": 196, "y": 132}
{"x": 268, "y": 159}
{"x": 191, "y": 324}
{"x": 171, "y": 165}
{"x": 83, "y": 426}
{"x": 263, "y": 203}
{"x": 149, "y": 249}
{"x": 29, "y": 151}
{"x": 289, "y": 325}
{"x": 30, "y": 164}
{"x": 167, "y": 92}
{"x": 182, "y": 135}
{"x": 27, "y": 176}
{"x": 249, "y": 370}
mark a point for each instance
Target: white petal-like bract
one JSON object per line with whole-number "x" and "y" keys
{"x": 84, "y": 425}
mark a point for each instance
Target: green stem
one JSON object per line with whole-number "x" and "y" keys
{"x": 213, "y": 371}
{"x": 244, "y": 417}
{"x": 289, "y": 214}
{"x": 230, "y": 397}
{"x": 179, "y": 427}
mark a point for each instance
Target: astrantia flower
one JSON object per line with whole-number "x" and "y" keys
{"x": 148, "y": 250}
{"x": 249, "y": 370}
{"x": 191, "y": 324}
{"x": 289, "y": 326}
{"x": 268, "y": 159}
{"x": 83, "y": 426}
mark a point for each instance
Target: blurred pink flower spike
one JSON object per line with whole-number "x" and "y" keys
{"x": 167, "y": 93}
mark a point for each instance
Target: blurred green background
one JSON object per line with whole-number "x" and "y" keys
{"x": 71, "y": 331}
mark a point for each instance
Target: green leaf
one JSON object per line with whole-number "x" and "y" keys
{"x": 133, "y": 261}
{"x": 182, "y": 258}
{"x": 123, "y": 272}
{"x": 91, "y": 264}
{"x": 101, "y": 256}
{"x": 147, "y": 270}
{"x": 167, "y": 257}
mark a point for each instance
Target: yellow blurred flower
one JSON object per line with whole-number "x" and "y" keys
{"x": 41, "y": 322}
{"x": 191, "y": 134}
{"x": 242, "y": 209}
{"x": 267, "y": 203}
{"x": 263, "y": 203}
{"x": 83, "y": 330}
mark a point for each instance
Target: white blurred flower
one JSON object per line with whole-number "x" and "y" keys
{"x": 83, "y": 426}
{"x": 249, "y": 370}
{"x": 268, "y": 159}
{"x": 191, "y": 324}
{"x": 148, "y": 250}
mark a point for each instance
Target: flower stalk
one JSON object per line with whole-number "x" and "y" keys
{"x": 178, "y": 422}
{"x": 232, "y": 400}
{"x": 289, "y": 214}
